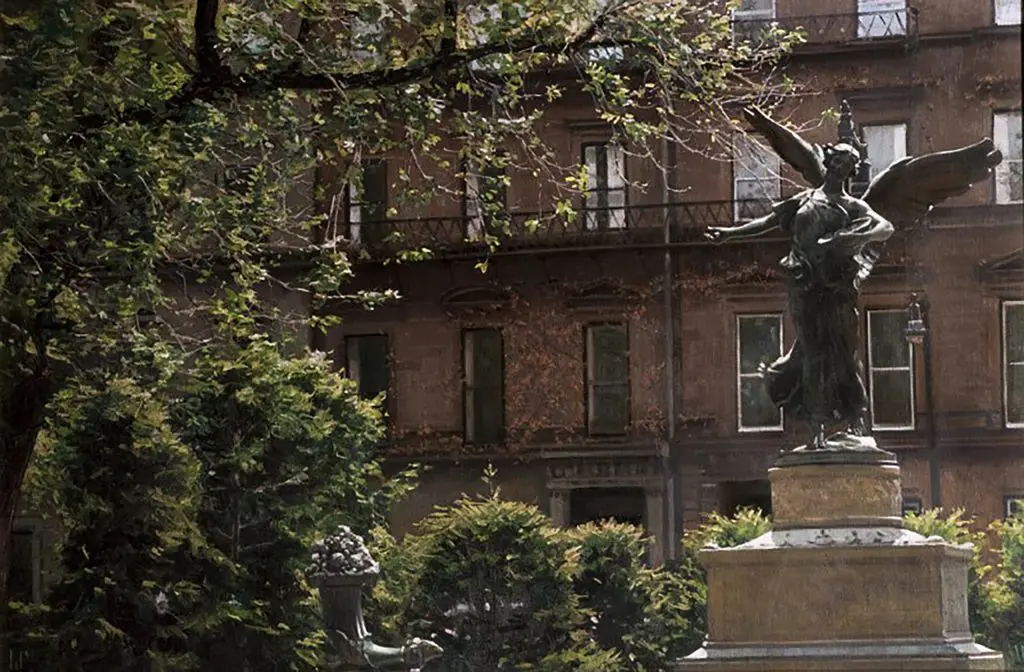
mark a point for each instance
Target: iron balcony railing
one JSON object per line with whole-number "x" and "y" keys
{"x": 629, "y": 225}
{"x": 860, "y": 28}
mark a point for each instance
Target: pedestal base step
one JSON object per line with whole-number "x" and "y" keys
{"x": 902, "y": 655}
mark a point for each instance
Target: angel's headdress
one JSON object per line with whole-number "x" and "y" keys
{"x": 842, "y": 149}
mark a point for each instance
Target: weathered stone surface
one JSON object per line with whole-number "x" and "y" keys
{"x": 914, "y": 655}
{"x": 835, "y": 495}
{"x": 825, "y": 591}
{"x": 843, "y": 593}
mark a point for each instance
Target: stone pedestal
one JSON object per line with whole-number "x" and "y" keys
{"x": 838, "y": 584}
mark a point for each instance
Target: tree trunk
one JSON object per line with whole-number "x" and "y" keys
{"x": 21, "y": 418}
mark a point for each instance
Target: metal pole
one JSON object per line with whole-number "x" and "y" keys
{"x": 934, "y": 457}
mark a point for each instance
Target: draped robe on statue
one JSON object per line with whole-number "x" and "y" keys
{"x": 819, "y": 380}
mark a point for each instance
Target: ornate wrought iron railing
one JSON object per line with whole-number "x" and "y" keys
{"x": 630, "y": 225}
{"x": 896, "y": 25}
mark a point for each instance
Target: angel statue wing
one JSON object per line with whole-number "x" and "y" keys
{"x": 808, "y": 159}
{"x": 908, "y": 189}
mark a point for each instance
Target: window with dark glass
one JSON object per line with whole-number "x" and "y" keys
{"x": 912, "y": 505}
{"x": 751, "y": 17}
{"x": 1013, "y": 363}
{"x": 607, "y": 378}
{"x": 891, "y": 370}
{"x": 483, "y": 386}
{"x": 486, "y": 196}
{"x": 369, "y": 364}
{"x": 758, "y": 342}
{"x": 21, "y": 579}
{"x": 239, "y": 179}
{"x": 368, "y": 201}
{"x": 605, "y": 199}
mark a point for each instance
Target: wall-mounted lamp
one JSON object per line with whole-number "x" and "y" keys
{"x": 917, "y": 334}
{"x": 916, "y": 330}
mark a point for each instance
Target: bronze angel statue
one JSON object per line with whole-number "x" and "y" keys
{"x": 835, "y": 242}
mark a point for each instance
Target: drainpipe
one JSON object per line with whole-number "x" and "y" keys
{"x": 668, "y": 154}
{"x": 668, "y": 280}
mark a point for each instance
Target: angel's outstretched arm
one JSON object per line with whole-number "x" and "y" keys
{"x": 754, "y": 227}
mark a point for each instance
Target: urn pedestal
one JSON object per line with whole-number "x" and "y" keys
{"x": 341, "y": 599}
{"x": 342, "y": 568}
{"x": 838, "y": 584}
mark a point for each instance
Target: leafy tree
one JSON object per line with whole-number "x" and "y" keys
{"x": 612, "y": 582}
{"x": 125, "y": 490}
{"x": 955, "y": 527}
{"x": 721, "y": 531}
{"x": 175, "y": 157}
{"x": 494, "y": 583}
{"x": 288, "y": 452}
{"x": 645, "y": 614}
{"x": 1003, "y": 614}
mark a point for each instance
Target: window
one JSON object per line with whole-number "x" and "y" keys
{"x": 483, "y": 386}
{"x": 238, "y": 180}
{"x": 758, "y": 341}
{"x": 751, "y": 17}
{"x": 881, "y": 18}
{"x": 607, "y": 379}
{"x": 1013, "y": 505}
{"x": 1006, "y": 127}
{"x": 367, "y": 37}
{"x": 755, "y": 172}
{"x": 483, "y": 23}
{"x": 369, "y": 364}
{"x": 887, "y": 143}
{"x": 891, "y": 364}
{"x": 485, "y": 200}
{"x": 367, "y": 201}
{"x": 606, "y": 54}
{"x": 911, "y": 504}
{"x": 1013, "y": 363}
{"x": 1007, "y": 12}
{"x": 23, "y": 578}
{"x": 606, "y": 187}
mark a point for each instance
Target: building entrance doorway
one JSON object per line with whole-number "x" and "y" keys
{"x": 735, "y": 495}
{"x": 624, "y": 505}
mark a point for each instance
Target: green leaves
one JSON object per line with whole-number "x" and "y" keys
{"x": 124, "y": 489}
{"x": 288, "y": 452}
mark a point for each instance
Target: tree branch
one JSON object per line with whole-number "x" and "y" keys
{"x": 214, "y": 80}
{"x": 444, "y": 61}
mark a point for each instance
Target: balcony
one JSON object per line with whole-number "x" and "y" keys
{"x": 630, "y": 226}
{"x": 839, "y": 32}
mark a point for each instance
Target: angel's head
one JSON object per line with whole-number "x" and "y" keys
{"x": 841, "y": 159}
